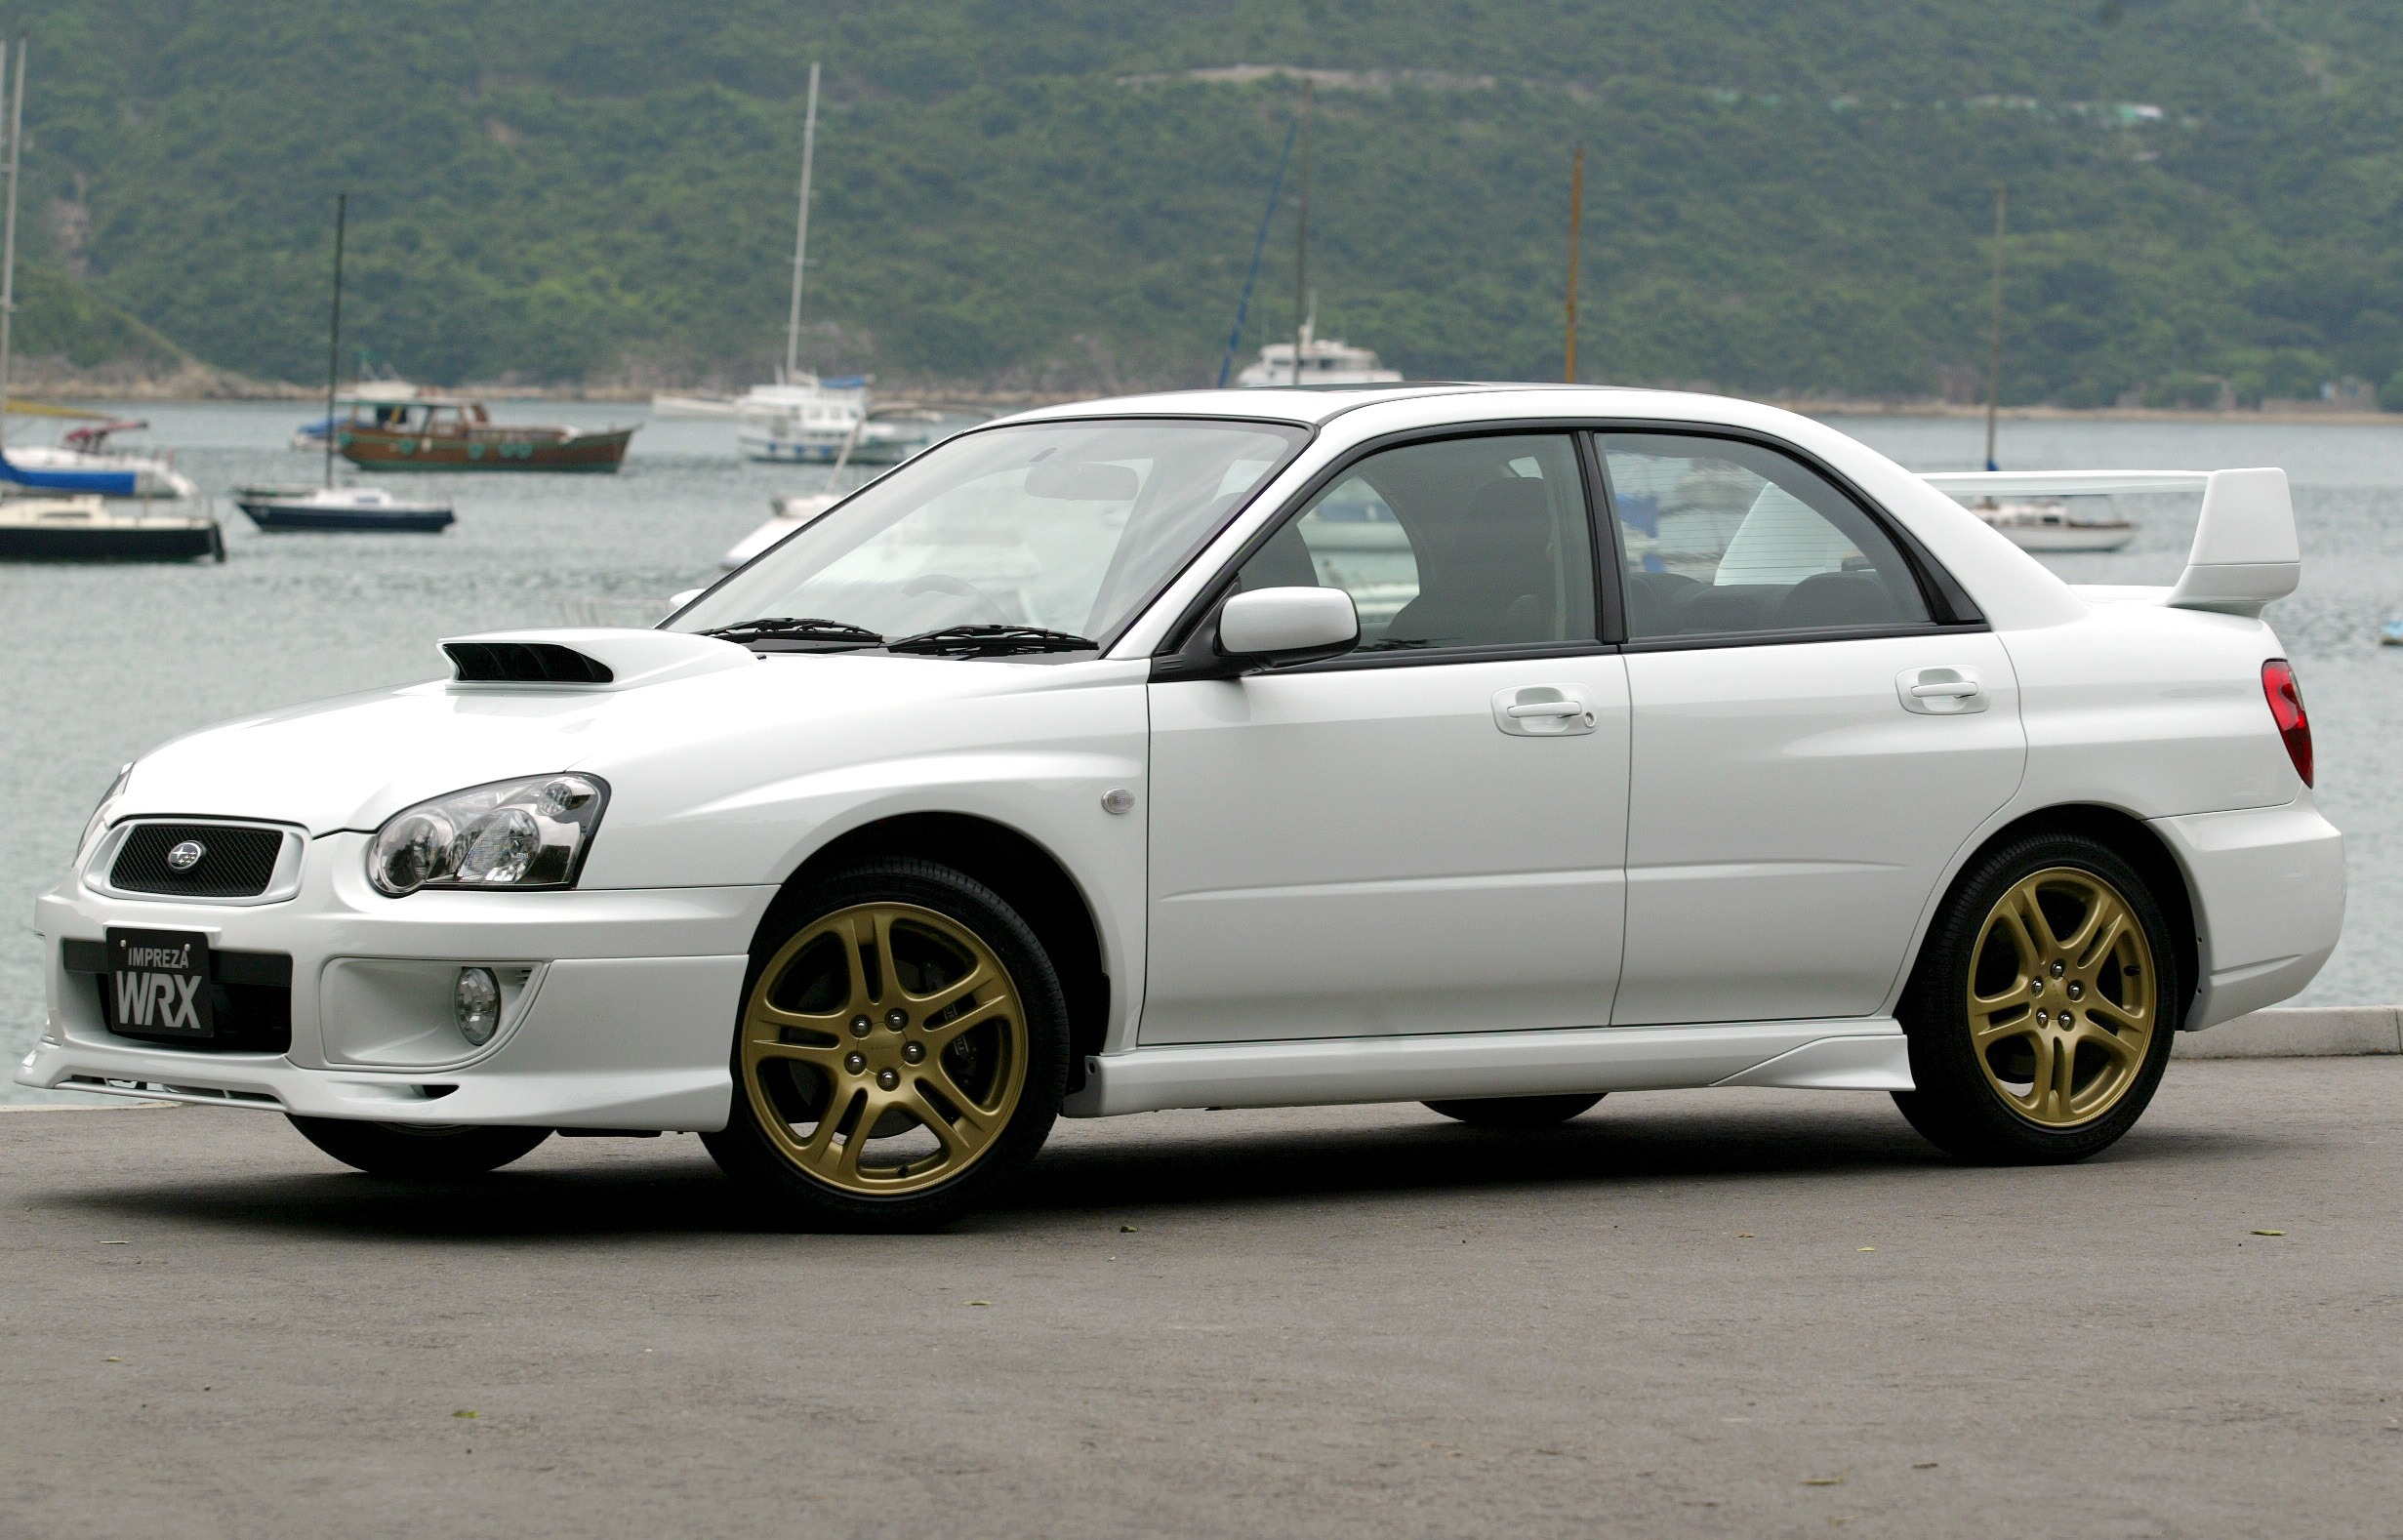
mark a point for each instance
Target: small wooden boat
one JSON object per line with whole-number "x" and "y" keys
{"x": 2390, "y": 634}
{"x": 442, "y": 433}
{"x": 340, "y": 509}
{"x": 87, "y": 529}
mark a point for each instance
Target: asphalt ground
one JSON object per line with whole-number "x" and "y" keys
{"x": 1752, "y": 1313}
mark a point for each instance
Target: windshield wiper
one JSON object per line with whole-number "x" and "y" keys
{"x": 991, "y": 641}
{"x": 786, "y": 628}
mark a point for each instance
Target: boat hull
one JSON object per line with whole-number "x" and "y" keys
{"x": 2062, "y": 539}
{"x": 792, "y": 451}
{"x": 175, "y": 541}
{"x": 279, "y": 517}
{"x": 485, "y": 450}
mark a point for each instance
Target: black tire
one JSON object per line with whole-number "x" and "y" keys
{"x": 444, "y": 1154}
{"x": 793, "y": 1196}
{"x": 1514, "y": 1111}
{"x": 1957, "y": 1105}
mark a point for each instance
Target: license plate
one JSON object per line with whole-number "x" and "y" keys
{"x": 159, "y": 983}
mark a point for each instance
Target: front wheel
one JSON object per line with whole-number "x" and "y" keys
{"x": 435, "y": 1153}
{"x": 2041, "y": 1013}
{"x": 902, "y": 1053}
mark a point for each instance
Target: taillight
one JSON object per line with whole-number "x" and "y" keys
{"x": 2286, "y": 708}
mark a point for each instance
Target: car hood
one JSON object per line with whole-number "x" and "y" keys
{"x": 354, "y": 761}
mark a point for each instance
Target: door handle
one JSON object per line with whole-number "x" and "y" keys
{"x": 1940, "y": 692}
{"x": 1544, "y": 710}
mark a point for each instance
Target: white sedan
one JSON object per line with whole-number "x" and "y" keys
{"x": 1492, "y": 747}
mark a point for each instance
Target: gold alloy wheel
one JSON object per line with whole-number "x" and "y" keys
{"x": 2062, "y": 998}
{"x": 885, "y": 1049}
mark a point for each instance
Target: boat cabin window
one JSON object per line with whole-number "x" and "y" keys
{"x": 1720, "y": 536}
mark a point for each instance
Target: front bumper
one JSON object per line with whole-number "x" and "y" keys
{"x": 623, "y": 1019}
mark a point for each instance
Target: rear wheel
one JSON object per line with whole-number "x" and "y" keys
{"x": 430, "y": 1153}
{"x": 2042, "y": 1007}
{"x": 1514, "y": 1111}
{"x": 901, "y": 1054}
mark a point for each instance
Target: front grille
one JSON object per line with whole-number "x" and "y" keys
{"x": 237, "y": 860}
{"x": 250, "y": 999}
{"x": 526, "y": 662}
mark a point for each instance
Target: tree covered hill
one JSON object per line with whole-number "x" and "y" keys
{"x": 1782, "y": 194}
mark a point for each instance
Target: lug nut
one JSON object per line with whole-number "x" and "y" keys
{"x": 2035, "y": 987}
{"x": 913, "y": 1052}
{"x": 2060, "y": 968}
{"x": 888, "y": 1078}
{"x": 2077, "y": 992}
{"x": 896, "y": 1019}
{"x": 861, "y": 1025}
{"x": 2043, "y": 1018}
{"x": 855, "y": 1062}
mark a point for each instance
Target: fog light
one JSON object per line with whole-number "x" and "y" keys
{"x": 477, "y": 1001}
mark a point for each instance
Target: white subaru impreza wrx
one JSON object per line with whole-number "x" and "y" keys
{"x": 1492, "y": 747}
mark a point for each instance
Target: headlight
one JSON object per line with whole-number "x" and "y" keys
{"x": 99, "y": 815}
{"x": 529, "y": 833}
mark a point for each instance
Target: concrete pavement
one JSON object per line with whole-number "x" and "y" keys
{"x": 1752, "y": 1313}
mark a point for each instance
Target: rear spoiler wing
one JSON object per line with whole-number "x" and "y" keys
{"x": 2245, "y": 551}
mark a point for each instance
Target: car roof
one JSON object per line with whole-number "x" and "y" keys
{"x": 1309, "y": 405}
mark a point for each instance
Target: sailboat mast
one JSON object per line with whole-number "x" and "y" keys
{"x": 8, "y": 244}
{"x": 1994, "y": 370}
{"x": 1576, "y": 219}
{"x": 1301, "y": 242}
{"x": 332, "y": 339}
{"x": 800, "y": 236}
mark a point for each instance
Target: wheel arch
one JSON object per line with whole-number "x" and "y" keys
{"x": 1028, "y": 877}
{"x": 2135, "y": 842}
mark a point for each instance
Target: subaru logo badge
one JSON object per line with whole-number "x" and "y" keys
{"x": 185, "y": 856}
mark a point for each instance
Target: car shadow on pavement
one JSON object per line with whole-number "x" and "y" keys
{"x": 671, "y": 1188}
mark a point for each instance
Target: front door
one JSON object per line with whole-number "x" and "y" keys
{"x": 1426, "y": 835}
{"x": 1811, "y": 743}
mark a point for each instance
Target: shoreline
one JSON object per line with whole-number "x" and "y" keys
{"x": 1807, "y": 406}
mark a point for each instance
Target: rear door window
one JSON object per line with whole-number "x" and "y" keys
{"x": 1720, "y": 536}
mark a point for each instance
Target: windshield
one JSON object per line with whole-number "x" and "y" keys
{"x": 1069, "y": 527}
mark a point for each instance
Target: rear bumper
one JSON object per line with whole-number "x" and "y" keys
{"x": 2268, "y": 888}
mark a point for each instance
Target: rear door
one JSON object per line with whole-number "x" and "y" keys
{"x": 1813, "y": 734}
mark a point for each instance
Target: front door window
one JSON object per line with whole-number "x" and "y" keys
{"x": 1463, "y": 543}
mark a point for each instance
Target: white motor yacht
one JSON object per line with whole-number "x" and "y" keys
{"x": 1324, "y": 361}
{"x": 802, "y": 419}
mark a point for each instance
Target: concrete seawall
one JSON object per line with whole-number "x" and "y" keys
{"x": 2303, "y": 1032}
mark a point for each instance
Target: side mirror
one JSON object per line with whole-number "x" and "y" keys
{"x": 1289, "y": 626}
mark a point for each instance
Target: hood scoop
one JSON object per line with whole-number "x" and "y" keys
{"x": 526, "y": 662}
{"x": 588, "y": 659}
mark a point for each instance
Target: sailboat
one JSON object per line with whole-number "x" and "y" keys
{"x": 2035, "y": 524}
{"x": 801, "y": 417}
{"x": 329, "y": 506}
{"x": 1308, "y": 359}
{"x": 58, "y": 511}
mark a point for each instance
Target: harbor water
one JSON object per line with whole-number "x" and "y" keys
{"x": 105, "y": 662}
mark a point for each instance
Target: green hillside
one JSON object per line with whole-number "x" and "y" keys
{"x": 1782, "y": 196}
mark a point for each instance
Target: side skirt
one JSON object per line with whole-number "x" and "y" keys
{"x": 1861, "y": 1053}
